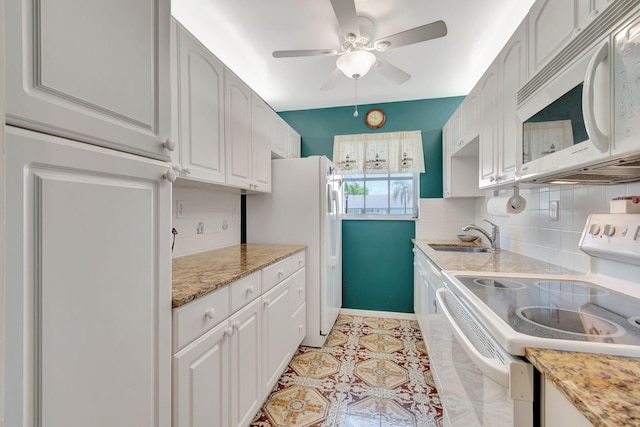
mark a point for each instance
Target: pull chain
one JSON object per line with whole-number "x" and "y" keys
{"x": 355, "y": 113}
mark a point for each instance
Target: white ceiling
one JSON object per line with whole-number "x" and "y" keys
{"x": 244, "y": 33}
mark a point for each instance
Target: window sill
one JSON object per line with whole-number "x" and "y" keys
{"x": 346, "y": 217}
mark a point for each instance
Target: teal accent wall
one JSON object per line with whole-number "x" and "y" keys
{"x": 377, "y": 260}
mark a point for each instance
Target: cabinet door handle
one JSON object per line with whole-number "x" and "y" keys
{"x": 210, "y": 313}
{"x": 300, "y": 290}
{"x": 300, "y": 263}
{"x": 300, "y": 327}
{"x": 236, "y": 325}
{"x": 170, "y": 175}
{"x": 169, "y": 144}
{"x": 229, "y": 331}
{"x": 280, "y": 273}
{"x": 266, "y": 303}
{"x": 250, "y": 290}
{"x": 187, "y": 171}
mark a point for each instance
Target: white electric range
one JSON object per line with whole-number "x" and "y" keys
{"x": 487, "y": 320}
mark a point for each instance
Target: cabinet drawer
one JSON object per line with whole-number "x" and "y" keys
{"x": 298, "y": 291}
{"x": 298, "y": 260}
{"x": 195, "y": 318}
{"x": 276, "y": 273}
{"x": 298, "y": 327}
{"x": 245, "y": 290}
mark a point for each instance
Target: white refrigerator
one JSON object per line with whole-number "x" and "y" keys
{"x": 305, "y": 208}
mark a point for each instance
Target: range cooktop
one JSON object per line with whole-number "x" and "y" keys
{"x": 560, "y": 312}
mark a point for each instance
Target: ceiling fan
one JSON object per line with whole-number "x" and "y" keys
{"x": 357, "y": 44}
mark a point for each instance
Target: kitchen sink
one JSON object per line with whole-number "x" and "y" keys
{"x": 459, "y": 248}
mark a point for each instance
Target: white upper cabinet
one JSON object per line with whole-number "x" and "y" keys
{"x": 198, "y": 88}
{"x": 294, "y": 144}
{"x": 457, "y": 141}
{"x": 279, "y": 135}
{"x": 98, "y": 73}
{"x": 489, "y": 108}
{"x": 260, "y": 145}
{"x": 237, "y": 131}
{"x": 512, "y": 75}
{"x": 470, "y": 122}
{"x": 552, "y": 24}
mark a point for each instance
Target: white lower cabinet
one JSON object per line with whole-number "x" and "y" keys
{"x": 201, "y": 381}
{"x": 275, "y": 321}
{"x": 557, "y": 410}
{"x": 223, "y": 376}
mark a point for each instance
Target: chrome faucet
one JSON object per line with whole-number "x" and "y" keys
{"x": 494, "y": 238}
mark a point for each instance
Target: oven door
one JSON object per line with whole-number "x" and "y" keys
{"x": 479, "y": 384}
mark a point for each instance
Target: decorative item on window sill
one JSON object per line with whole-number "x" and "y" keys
{"x": 379, "y": 153}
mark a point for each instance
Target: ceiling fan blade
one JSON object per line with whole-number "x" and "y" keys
{"x": 309, "y": 52}
{"x": 391, "y": 72}
{"x": 414, "y": 35}
{"x": 332, "y": 80}
{"x": 345, "y": 11}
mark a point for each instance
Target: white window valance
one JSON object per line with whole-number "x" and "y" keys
{"x": 379, "y": 153}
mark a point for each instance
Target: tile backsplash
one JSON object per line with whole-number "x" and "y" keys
{"x": 209, "y": 219}
{"x": 532, "y": 232}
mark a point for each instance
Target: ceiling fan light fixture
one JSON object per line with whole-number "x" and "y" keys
{"x": 356, "y": 64}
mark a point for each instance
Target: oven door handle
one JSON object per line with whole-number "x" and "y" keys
{"x": 490, "y": 367}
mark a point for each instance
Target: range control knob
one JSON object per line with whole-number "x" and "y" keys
{"x": 594, "y": 229}
{"x": 609, "y": 230}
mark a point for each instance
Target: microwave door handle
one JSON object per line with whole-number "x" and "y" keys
{"x": 599, "y": 139}
{"x": 488, "y": 366}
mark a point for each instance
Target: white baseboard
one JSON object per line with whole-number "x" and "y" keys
{"x": 383, "y": 314}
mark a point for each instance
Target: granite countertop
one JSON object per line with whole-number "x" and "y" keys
{"x": 604, "y": 388}
{"x": 500, "y": 261}
{"x": 196, "y": 275}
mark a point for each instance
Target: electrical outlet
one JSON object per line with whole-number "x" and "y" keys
{"x": 179, "y": 209}
{"x": 553, "y": 210}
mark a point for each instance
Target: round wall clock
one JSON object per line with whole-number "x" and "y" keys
{"x": 375, "y": 118}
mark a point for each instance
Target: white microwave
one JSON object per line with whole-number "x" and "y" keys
{"x": 580, "y": 115}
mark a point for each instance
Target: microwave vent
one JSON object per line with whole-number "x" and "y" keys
{"x": 617, "y": 172}
{"x": 602, "y": 25}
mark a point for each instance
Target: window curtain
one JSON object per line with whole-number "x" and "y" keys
{"x": 379, "y": 153}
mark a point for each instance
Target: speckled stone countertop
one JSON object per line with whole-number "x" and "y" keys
{"x": 604, "y": 388}
{"x": 499, "y": 261}
{"x": 196, "y": 275}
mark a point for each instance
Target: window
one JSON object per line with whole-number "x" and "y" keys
{"x": 381, "y": 194}
{"x": 381, "y": 173}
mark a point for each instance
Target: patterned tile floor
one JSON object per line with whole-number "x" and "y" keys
{"x": 370, "y": 372}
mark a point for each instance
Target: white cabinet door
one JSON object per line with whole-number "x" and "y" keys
{"x": 446, "y": 160}
{"x": 87, "y": 285}
{"x": 512, "y": 75}
{"x": 489, "y": 127}
{"x": 260, "y": 146}
{"x": 201, "y": 381}
{"x": 294, "y": 144}
{"x": 552, "y": 24}
{"x": 557, "y": 410}
{"x": 246, "y": 359}
{"x": 275, "y": 339}
{"x": 470, "y": 116}
{"x": 98, "y": 73}
{"x": 237, "y": 131}
{"x": 456, "y": 131}
{"x": 200, "y": 93}
{"x": 279, "y": 135}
